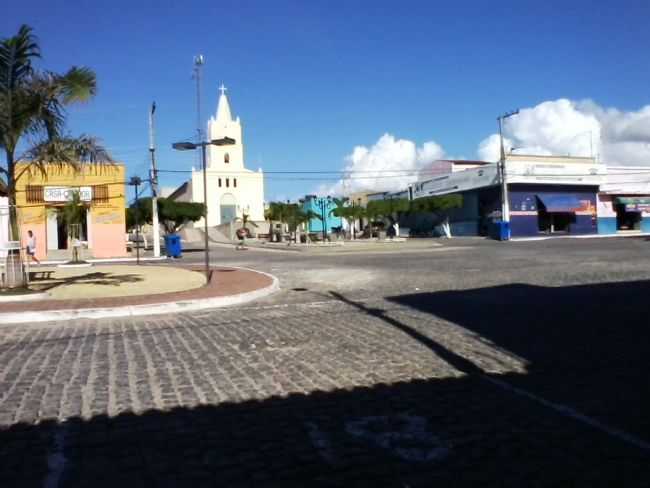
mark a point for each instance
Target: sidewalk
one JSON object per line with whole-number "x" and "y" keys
{"x": 359, "y": 245}
{"x": 227, "y": 286}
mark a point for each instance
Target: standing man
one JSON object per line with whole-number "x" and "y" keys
{"x": 31, "y": 246}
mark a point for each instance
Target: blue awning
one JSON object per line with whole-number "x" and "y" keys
{"x": 559, "y": 202}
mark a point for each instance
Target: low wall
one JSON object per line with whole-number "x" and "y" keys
{"x": 607, "y": 225}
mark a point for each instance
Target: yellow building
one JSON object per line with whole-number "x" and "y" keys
{"x": 41, "y": 195}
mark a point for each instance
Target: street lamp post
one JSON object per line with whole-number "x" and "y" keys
{"x": 187, "y": 146}
{"x": 505, "y": 207}
{"x": 324, "y": 205}
{"x": 136, "y": 182}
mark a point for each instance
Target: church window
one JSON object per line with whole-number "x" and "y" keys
{"x": 219, "y": 182}
{"x": 227, "y": 182}
{"x": 226, "y": 158}
{"x": 234, "y": 182}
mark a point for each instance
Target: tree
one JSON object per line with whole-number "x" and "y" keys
{"x": 296, "y": 216}
{"x": 32, "y": 115}
{"x": 349, "y": 213}
{"x": 172, "y": 214}
{"x": 439, "y": 206}
{"x": 74, "y": 213}
{"x": 275, "y": 212}
{"x": 175, "y": 214}
{"x": 140, "y": 213}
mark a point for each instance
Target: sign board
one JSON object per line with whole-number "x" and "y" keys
{"x": 64, "y": 193}
{"x": 521, "y": 171}
{"x": 468, "y": 179}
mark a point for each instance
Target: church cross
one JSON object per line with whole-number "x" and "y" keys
{"x": 223, "y": 89}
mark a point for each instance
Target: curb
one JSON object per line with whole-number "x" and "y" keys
{"x": 108, "y": 260}
{"x": 140, "y": 310}
{"x": 579, "y": 236}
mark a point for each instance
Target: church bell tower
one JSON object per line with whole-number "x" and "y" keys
{"x": 225, "y": 158}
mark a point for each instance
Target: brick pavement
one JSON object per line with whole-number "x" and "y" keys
{"x": 334, "y": 393}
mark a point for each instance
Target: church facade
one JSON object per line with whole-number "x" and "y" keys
{"x": 232, "y": 190}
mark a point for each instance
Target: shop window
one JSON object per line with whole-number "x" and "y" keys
{"x": 226, "y": 158}
{"x": 34, "y": 194}
{"x": 234, "y": 182}
{"x": 100, "y": 194}
{"x": 219, "y": 182}
{"x": 227, "y": 182}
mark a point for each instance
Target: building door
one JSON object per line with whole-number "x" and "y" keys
{"x": 62, "y": 232}
{"x": 228, "y": 208}
{"x": 52, "y": 229}
{"x": 626, "y": 219}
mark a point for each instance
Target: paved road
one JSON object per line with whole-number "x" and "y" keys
{"x": 475, "y": 364}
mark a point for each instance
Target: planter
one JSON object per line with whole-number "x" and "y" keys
{"x": 14, "y": 271}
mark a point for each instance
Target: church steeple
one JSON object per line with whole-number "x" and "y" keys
{"x": 223, "y": 107}
{"x": 221, "y": 125}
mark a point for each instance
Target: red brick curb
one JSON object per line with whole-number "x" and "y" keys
{"x": 223, "y": 282}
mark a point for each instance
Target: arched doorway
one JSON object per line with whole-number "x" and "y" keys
{"x": 228, "y": 208}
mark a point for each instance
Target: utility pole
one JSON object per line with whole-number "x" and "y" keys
{"x": 505, "y": 206}
{"x": 199, "y": 61}
{"x": 154, "y": 186}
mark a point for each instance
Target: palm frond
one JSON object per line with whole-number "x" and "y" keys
{"x": 16, "y": 54}
{"x": 79, "y": 84}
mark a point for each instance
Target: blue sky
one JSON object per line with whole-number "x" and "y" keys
{"x": 312, "y": 80}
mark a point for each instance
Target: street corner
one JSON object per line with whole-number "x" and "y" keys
{"x": 127, "y": 291}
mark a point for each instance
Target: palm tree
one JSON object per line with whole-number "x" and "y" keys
{"x": 296, "y": 216}
{"x": 32, "y": 112}
{"x": 276, "y": 212}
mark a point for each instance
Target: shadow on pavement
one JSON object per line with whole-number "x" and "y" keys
{"x": 44, "y": 281}
{"x": 448, "y": 432}
{"x": 588, "y": 346}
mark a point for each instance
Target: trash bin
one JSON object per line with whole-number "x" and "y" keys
{"x": 500, "y": 231}
{"x": 173, "y": 245}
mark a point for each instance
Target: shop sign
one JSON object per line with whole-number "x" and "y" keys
{"x": 637, "y": 207}
{"x": 64, "y": 193}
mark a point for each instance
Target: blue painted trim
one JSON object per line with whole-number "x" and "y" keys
{"x": 607, "y": 225}
{"x": 645, "y": 224}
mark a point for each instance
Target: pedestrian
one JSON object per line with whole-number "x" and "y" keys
{"x": 31, "y": 246}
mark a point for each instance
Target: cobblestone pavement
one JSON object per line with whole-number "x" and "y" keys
{"x": 450, "y": 378}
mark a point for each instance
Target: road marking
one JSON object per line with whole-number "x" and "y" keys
{"x": 56, "y": 460}
{"x": 574, "y": 414}
{"x": 321, "y": 441}
{"x": 406, "y": 436}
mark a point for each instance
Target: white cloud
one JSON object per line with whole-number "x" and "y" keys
{"x": 582, "y": 128}
{"x": 389, "y": 165}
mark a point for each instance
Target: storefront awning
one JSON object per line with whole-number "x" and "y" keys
{"x": 559, "y": 202}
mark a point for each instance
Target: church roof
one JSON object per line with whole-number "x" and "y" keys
{"x": 223, "y": 108}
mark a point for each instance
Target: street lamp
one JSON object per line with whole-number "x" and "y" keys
{"x": 188, "y": 146}
{"x": 505, "y": 207}
{"x": 136, "y": 181}
{"x": 324, "y": 204}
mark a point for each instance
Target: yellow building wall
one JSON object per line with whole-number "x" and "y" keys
{"x": 107, "y": 220}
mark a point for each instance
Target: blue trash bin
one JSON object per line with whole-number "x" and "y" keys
{"x": 504, "y": 231}
{"x": 499, "y": 231}
{"x": 173, "y": 245}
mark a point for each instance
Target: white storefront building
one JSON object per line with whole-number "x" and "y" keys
{"x": 232, "y": 190}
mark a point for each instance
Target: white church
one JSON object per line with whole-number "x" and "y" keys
{"x": 233, "y": 190}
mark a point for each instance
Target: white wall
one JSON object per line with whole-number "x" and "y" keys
{"x": 249, "y": 193}
{"x": 4, "y": 225}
